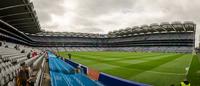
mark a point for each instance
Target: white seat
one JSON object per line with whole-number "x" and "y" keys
{"x": 21, "y": 59}
{"x": 14, "y": 81}
{"x": 10, "y": 73}
{"x": 1, "y": 65}
{"x": 6, "y": 75}
{"x": 3, "y": 78}
{"x": 10, "y": 83}
{"x": 2, "y": 82}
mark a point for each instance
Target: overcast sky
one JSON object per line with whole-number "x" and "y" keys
{"x": 101, "y": 16}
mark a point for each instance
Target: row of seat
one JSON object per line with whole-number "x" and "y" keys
{"x": 167, "y": 49}
{"x": 58, "y": 65}
{"x": 10, "y": 60}
{"x": 8, "y": 71}
{"x": 4, "y": 65}
{"x": 15, "y": 58}
{"x": 8, "y": 51}
{"x": 8, "y": 74}
{"x": 12, "y": 57}
{"x": 62, "y": 74}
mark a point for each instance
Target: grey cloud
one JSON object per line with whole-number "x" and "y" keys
{"x": 51, "y": 27}
{"x": 180, "y": 10}
{"x": 85, "y": 21}
{"x": 88, "y": 12}
{"x": 89, "y": 30}
{"x": 46, "y": 8}
{"x": 93, "y": 8}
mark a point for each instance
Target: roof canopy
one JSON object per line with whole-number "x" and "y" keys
{"x": 164, "y": 27}
{"x": 156, "y": 28}
{"x": 20, "y": 14}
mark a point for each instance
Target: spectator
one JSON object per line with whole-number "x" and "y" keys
{"x": 31, "y": 81}
{"x": 23, "y": 74}
{"x": 69, "y": 55}
{"x": 6, "y": 46}
{"x": 17, "y": 47}
{"x": 34, "y": 54}
{"x": 185, "y": 83}
{"x": 23, "y": 51}
{"x": 29, "y": 54}
{"x": 78, "y": 69}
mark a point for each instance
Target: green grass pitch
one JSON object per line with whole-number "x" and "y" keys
{"x": 157, "y": 69}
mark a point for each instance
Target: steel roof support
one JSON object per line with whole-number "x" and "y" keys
{"x": 23, "y": 23}
{"x": 15, "y": 14}
{"x": 173, "y": 27}
{"x": 19, "y": 19}
{"x": 184, "y": 27}
{"x": 15, "y": 6}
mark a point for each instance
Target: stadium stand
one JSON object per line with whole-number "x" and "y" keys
{"x": 174, "y": 37}
{"x": 10, "y": 61}
{"x": 21, "y": 36}
{"x": 63, "y": 74}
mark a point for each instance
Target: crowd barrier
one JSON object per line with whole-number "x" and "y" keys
{"x": 108, "y": 80}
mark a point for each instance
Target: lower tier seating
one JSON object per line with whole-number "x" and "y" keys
{"x": 63, "y": 74}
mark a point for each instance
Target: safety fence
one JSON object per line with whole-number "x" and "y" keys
{"x": 106, "y": 79}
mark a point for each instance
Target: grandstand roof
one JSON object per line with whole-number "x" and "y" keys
{"x": 136, "y": 30}
{"x": 70, "y": 34}
{"x": 156, "y": 28}
{"x": 20, "y": 14}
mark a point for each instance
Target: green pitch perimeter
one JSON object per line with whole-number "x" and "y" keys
{"x": 158, "y": 69}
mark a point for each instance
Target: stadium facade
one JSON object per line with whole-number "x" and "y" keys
{"x": 19, "y": 24}
{"x": 164, "y": 37}
{"x": 175, "y": 37}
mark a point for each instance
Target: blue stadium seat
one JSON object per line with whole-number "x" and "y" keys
{"x": 62, "y": 74}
